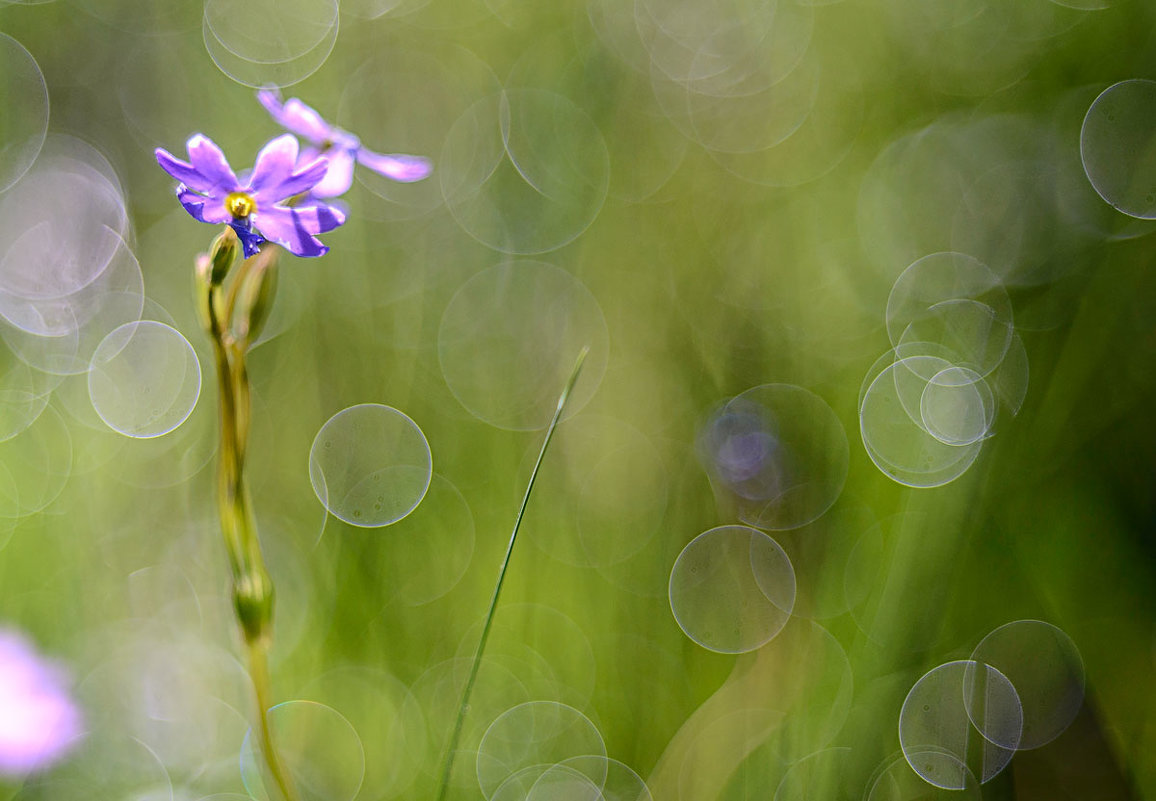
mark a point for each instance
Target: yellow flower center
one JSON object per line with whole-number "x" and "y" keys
{"x": 240, "y": 205}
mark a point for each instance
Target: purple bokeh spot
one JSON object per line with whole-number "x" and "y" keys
{"x": 39, "y": 722}
{"x": 744, "y": 455}
{"x": 738, "y": 446}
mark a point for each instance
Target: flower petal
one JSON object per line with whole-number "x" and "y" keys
{"x": 205, "y": 209}
{"x": 271, "y": 100}
{"x": 295, "y": 116}
{"x": 210, "y": 162}
{"x": 274, "y": 165}
{"x": 315, "y": 218}
{"x": 183, "y": 171}
{"x": 318, "y": 217}
{"x": 344, "y": 139}
{"x": 397, "y": 166}
{"x": 300, "y": 181}
{"x": 251, "y": 240}
{"x": 339, "y": 209}
{"x": 339, "y": 177}
{"x": 290, "y": 229}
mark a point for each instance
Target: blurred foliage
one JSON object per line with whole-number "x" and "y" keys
{"x": 715, "y": 272}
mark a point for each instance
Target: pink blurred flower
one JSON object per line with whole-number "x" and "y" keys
{"x": 39, "y": 722}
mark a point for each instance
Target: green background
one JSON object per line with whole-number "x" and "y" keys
{"x": 709, "y": 283}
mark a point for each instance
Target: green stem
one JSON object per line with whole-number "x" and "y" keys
{"x": 443, "y": 788}
{"x": 259, "y": 674}
{"x": 226, "y": 480}
{"x": 252, "y": 588}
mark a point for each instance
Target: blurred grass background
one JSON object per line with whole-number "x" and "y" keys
{"x": 714, "y": 274}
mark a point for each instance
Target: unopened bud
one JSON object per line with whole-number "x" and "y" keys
{"x": 203, "y": 291}
{"x": 222, "y": 255}
{"x": 255, "y": 296}
{"x": 253, "y": 601}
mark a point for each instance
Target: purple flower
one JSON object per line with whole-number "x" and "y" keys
{"x": 38, "y": 720}
{"x": 341, "y": 147}
{"x": 740, "y": 449}
{"x": 212, "y": 193}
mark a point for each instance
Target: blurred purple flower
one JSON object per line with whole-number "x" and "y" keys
{"x": 739, "y": 448}
{"x": 212, "y": 193}
{"x": 341, "y": 147}
{"x": 38, "y": 720}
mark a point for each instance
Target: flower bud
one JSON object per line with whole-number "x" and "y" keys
{"x": 203, "y": 291}
{"x": 255, "y": 297}
{"x": 253, "y": 601}
{"x": 222, "y": 255}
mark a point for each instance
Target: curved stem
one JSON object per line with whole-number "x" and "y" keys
{"x": 252, "y": 588}
{"x": 259, "y": 673}
{"x": 226, "y": 468}
{"x": 451, "y": 752}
